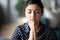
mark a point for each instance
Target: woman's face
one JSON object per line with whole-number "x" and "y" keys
{"x": 33, "y": 13}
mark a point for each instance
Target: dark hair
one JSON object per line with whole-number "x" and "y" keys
{"x": 2, "y": 17}
{"x": 38, "y": 2}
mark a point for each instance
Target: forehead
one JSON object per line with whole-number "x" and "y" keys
{"x": 33, "y": 6}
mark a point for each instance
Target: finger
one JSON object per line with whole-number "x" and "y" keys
{"x": 31, "y": 36}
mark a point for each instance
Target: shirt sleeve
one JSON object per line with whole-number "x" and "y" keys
{"x": 17, "y": 35}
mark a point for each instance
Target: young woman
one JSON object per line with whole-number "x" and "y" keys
{"x": 34, "y": 29}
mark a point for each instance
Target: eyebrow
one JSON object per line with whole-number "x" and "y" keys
{"x": 38, "y": 9}
{"x": 35, "y": 9}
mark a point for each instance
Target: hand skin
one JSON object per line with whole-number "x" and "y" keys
{"x": 32, "y": 35}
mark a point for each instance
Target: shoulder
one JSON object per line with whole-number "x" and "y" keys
{"x": 18, "y": 33}
{"x": 49, "y": 32}
{"x": 19, "y": 29}
{"x": 48, "y": 28}
{"x": 22, "y": 27}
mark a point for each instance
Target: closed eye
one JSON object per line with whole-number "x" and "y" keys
{"x": 29, "y": 11}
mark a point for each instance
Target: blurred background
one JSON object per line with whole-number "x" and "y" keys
{"x": 12, "y": 15}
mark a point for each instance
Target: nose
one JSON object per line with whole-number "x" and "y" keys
{"x": 33, "y": 14}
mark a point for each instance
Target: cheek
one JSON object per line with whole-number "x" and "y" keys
{"x": 27, "y": 15}
{"x": 38, "y": 17}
